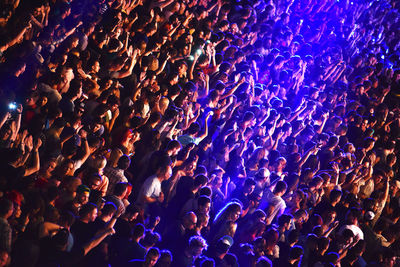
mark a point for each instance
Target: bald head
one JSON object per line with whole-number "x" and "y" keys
{"x": 189, "y": 220}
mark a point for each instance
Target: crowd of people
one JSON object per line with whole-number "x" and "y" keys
{"x": 199, "y": 133}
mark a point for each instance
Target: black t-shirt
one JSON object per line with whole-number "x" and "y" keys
{"x": 82, "y": 233}
{"x": 122, "y": 227}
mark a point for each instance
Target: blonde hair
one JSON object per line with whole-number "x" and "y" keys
{"x": 98, "y": 163}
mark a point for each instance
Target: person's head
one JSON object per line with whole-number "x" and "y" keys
{"x": 150, "y": 239}
{"x": 196, "y": 246}
{"x": 108, "y": 211}
{"x": 280, "y": 188}
{"x": 230, "y": 212}
{"x": 152, "y": 256}
{"x": 138, "y": 231}
{"x": 378, "y": 176}
{"x": 189, "y": 220}
{"x": 262, "y": 175}
{"x": 332, "y": 258}
{"x": 207, "y": 262}
{"x": 173, "y": 147}
{"x": 203, "y": 220}
{"x": 199, "y": 181}
{"x": 335, "y": 196}
{"x": 284, "y": 221}
{"x": 82, "y": 194}
{"x": 205, "y": 191}
{"x": 368, "y": 143}
{"x": 347, "y": 236}
{"x": 280, "y": 164}
{"x": 263, "y": 262}
{"x": 131, "y": 212}
{"x": 194, "y": 128}
{"x": 67, "y": 219}
{"x": 203, "y": 204}
{"x": 99, "y": 163}
{"x": 223, "y": 245}
{"x": 88, "y": 212}
{"x": 94, "y": 181}
{"x": 164, "y": 170}
{"x": 295, "y": 253}
{"x": 165, "y": 259}
{"x": 300, "y": 216}
{"x": 249, "y": 186}
{"x": 123, "y": 162}
{"x": 352, "y": 216}
{"x": 329, "y": 216}
{"x": 120, "y": 190}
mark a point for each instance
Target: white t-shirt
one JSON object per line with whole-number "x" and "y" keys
{"x": 355, "y": 229}
{"x": 150, "y": 188}
{"x": 277, "y": 202}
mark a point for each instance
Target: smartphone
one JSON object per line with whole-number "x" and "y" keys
{"x": 12, "y": 106}
{"x": 199, "y": 52}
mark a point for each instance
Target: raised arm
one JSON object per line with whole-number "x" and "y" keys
{"x": 204, "y": 135}
{"x": 36, "y": 160}
{"x": 133, "y": 58}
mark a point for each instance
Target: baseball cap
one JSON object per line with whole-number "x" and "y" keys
{"x": 82, "y": 189}
{"x": 227, "y": 240}
{"x": 369, "y": 215}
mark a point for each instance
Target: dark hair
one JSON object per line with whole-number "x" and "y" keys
{"x": 150, "y": 238}
{"x": 75, "y": 86}
{"x": 284, "y": 219}
{"x": 335, "y": 195}
{"x": 280, "y": 187}
{"x": 296, "y": 252}
{"x": 108, "y": 209}
{"x": 173, "y": 144}
{"x": 67, "y": 218}
{"x": 200, "y": 180}
{"x": 153, "y": 252}
{"x": 138, "y": 231}
{"x": 165, "y": 258}
{"x": 194, "y": 128}
{"x": 132, "y": 209}
{"x": 205, "y": 191}
{"x": 203, "y": 200}
{"x": 86, "y": 209}
{"x": 120, "y": 189}
{"x": 123, "y": 162}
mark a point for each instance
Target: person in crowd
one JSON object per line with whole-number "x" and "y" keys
{"x": 271, "y": 123}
